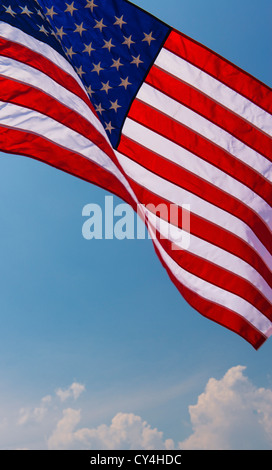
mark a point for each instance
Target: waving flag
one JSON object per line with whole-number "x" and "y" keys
{"x": 105, "y": 91}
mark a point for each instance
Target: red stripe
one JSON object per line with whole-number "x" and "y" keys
{"x": 218, "y": 276}
{"x": 220, "y": 68}
{"x": 37, "y": 147}
{"x": 219, "y": 314}
{"x": 14, "y": 141}
{"x": 209, "y": 232}
{"x": 33, "y": 59}
{"x": 36, "y": 100}
{"x": 209, "y": 109}
{"x": 165, "y": 126}
{"x": 222, "y": 160}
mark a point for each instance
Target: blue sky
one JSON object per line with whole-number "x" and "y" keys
{"x": 94, "y": 333}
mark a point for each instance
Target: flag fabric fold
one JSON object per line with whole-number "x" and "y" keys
{"x": 108, "y": 93}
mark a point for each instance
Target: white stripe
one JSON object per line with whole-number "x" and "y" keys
{"x": 216, "y": 294}
{"x": 214, "y": 88}
{"x": 211, "y": 253}
{"x": 204, "y": 209}
{"x": 23, "y": 73}
{"x": 202, "y": 126}
{"x": 191, "y": 162}
{"x": 17, "y": 117}
{"x": 17, "y": 36}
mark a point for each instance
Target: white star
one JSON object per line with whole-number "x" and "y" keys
{"x": 60, "y": 32}
{"x": 99, "y": 108}
{"x": 10, "y": 11}
{"x": 109, "y": 127}
{"x": 70, "y": 52}
{"x": 26, "y": 11}
{"x": 116, "y": 63}
{"x": 100, "y": 25}
{"x": 80, "y": 72}
{"x": 108, "y": 45}
{"x": 55, "y": 35}
{"x": 91, "y": 5}
{"x": 89, "y": 90}
{"x": 119, "y": 21}
{"x": 79, "y": 29}
{"x": 40, "y": 13}
{"x": 128, "y": 41}
{"x": 106, "y": 87}
{"x": 136, "y": 60}
{"x": 125, "y": 83}
{"x": 115, "y": 105}
{"x": 88, "y": 48}
{"x": 148, "y": 38}
{"x": 43, "y": 30}
{"x": 50, "y": 12}
{"x": 97, "y": 68}
{"x": 70, "y": 8}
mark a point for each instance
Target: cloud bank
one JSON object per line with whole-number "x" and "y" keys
{"x": 231, "y": 413}
{"x": 126, "y": 431}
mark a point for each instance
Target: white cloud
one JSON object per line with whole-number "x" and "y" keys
{"x": 34, "y": 414}
{"x": 63, "y": 436}
{"x": 74, "y": 391}
{"x": 126, "y": 431}
{"x": 231, "y": 414}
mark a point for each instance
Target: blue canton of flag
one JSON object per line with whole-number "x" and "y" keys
{"x": 110, "y": 45}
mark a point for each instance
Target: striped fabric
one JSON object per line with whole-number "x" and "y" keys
{"x": 196, "y": 130}
{"x": 209, "y": 125}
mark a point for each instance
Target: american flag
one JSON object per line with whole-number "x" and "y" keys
{"x": 106, "y": 92}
